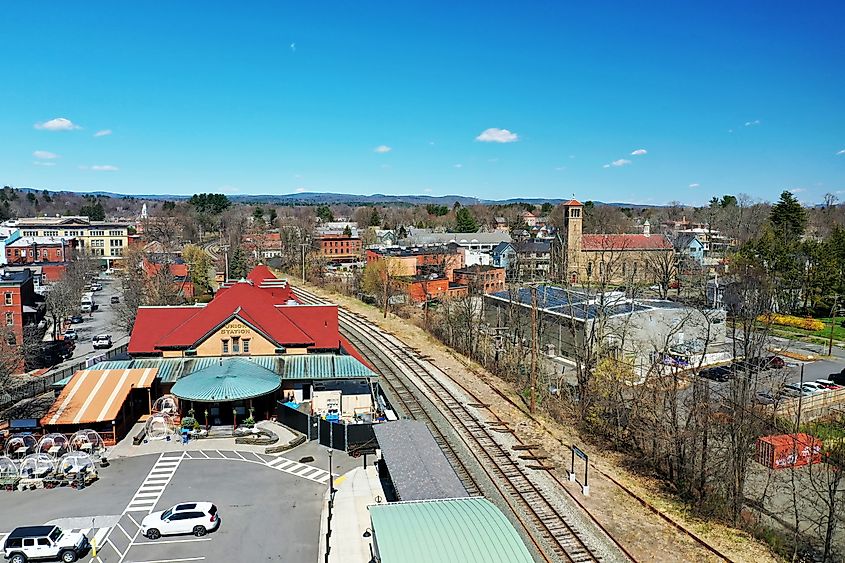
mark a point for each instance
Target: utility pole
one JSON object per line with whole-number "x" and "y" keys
{"x": 225, "y": 248}
{"x": 833, "y": 312}
{"x": 533, "y": 348}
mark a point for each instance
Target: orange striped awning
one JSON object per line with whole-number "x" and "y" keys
{"x": 94, "y": 395}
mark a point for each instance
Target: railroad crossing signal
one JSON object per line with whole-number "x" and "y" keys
{"x": 585, "y": 486}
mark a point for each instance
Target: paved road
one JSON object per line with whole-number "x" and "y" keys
{"x": 102, "y": 321}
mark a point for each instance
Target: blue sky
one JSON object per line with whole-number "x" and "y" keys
{"x": 266, "y": 98}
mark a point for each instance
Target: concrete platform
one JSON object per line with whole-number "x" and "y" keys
{"x": 355, "y": 491}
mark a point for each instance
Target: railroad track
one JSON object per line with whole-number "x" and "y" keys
{"x": 549, "y": 527}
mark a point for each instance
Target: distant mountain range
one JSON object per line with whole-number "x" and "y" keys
{"x": 316, "y": 198}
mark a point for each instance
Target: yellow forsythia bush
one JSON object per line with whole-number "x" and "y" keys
{"x": 789, "y": 320}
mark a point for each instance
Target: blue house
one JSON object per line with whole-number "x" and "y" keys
{"x": 504, "y": 254}
{"x": 687, "y": 244}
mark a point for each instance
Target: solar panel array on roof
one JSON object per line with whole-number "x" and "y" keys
{"x": 575, "y": 303}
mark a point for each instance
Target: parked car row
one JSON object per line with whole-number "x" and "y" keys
{"x": 755, "y": 365}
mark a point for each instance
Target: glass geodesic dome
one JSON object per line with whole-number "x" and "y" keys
{"x": 53, "y": 444}
{"x": 74, "y": 462}
{"x": 88, "y": 441}
{"x": 166, "y": 404}
{"x": 8, "y": 468}
{"x": 20, "y": 445}
{"x": 36, "y": 465}
{"x": 159, "y": 426}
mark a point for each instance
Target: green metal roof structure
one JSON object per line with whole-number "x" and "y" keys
{"x": 324, "y": 366}
{"x": 464, "y": 530}
{"x": 230, "y": 379}
{"x": 294, "y": 367}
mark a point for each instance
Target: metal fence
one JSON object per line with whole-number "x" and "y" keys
{"x": 42, "y": 383}
{"x": 352, "y": 438}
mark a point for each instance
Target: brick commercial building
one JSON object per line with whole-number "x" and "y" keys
{"x": 20, "y": 304}
{"x": 27, "y": 250}
{"x": 107, "y": 240}
{"x": 419, "y": 261}
{"x": 339, "y": 248}
{"x": 481, "y": 279}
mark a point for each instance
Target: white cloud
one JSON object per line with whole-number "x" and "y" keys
{"x": 605, "y": 166}
{"x": 639, "y": 152}
{"x": 694, "y": 185}
{"x": 496, "y": 135}
{"x": 457, "y": 165}
{"x": 57, "y": 124}
{"x": 840, "y": 153}
{"x": 427, "y": 190}
{"x": 797, "y": 190}
{"x": 752, "y": 123}
{"x": 100, "y": 168}
{"x": 730, "y": 130}
{"x": 43, "y": 163}
{"x": 102, "y": 133}
{"x": 559, "y": 168}
{"x": 382, "y": 149}
{"x": 300, "y": 190}
{"x": 45, "y": 155}
{"x": 620, "y": 162}
{"x": 293, "y": 47}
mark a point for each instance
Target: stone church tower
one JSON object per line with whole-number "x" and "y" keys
{"x": 573, "y": 217}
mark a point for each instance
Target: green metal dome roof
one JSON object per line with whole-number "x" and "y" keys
{"x": 232, "y": 379}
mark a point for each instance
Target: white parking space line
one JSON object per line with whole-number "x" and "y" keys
{"x": 170, "y": 560}
{"x": 162, "y": 542}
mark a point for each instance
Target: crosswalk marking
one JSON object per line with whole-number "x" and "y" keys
{"x": 277, "y": 462}
{"x": 147, "y": 495}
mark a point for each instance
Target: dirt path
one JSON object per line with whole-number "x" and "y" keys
{"x": 648, "y": 537}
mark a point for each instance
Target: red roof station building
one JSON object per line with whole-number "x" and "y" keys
{"x": 247, "y": 350}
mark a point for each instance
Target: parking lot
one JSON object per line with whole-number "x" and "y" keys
{"x": 269, "y": 506}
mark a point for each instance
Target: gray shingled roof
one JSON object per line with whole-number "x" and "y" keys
{"x": 417, "y": 466}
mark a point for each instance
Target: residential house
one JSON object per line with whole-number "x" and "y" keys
{"x": 688, "y": 246}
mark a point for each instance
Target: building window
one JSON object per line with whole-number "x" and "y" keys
{"x": 116, "y": 233}
{"x": 8, "y": 299}
{"x": 51, "y": 233}
{"x": 575, "y": 213}
{"x": 225, "y": 343}
{"x": 98, "y": 233}
{"x": 116, "y": 242}
{"x": 10, "y": 319}
{"x": 236, "y": 345}
{"x": 30, "y": 233}
{"x": 246, "y": 345}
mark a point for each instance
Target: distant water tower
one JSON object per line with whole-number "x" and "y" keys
{"x": 144, "y": 211}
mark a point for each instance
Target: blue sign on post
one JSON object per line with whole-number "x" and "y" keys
{"x": 585, "y": 486}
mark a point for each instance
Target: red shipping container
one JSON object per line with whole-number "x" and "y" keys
{"x": 788, "y": 450}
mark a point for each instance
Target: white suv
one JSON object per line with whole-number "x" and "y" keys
{"x": 34, "y": 543}
{"x": 196, "y": 518}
